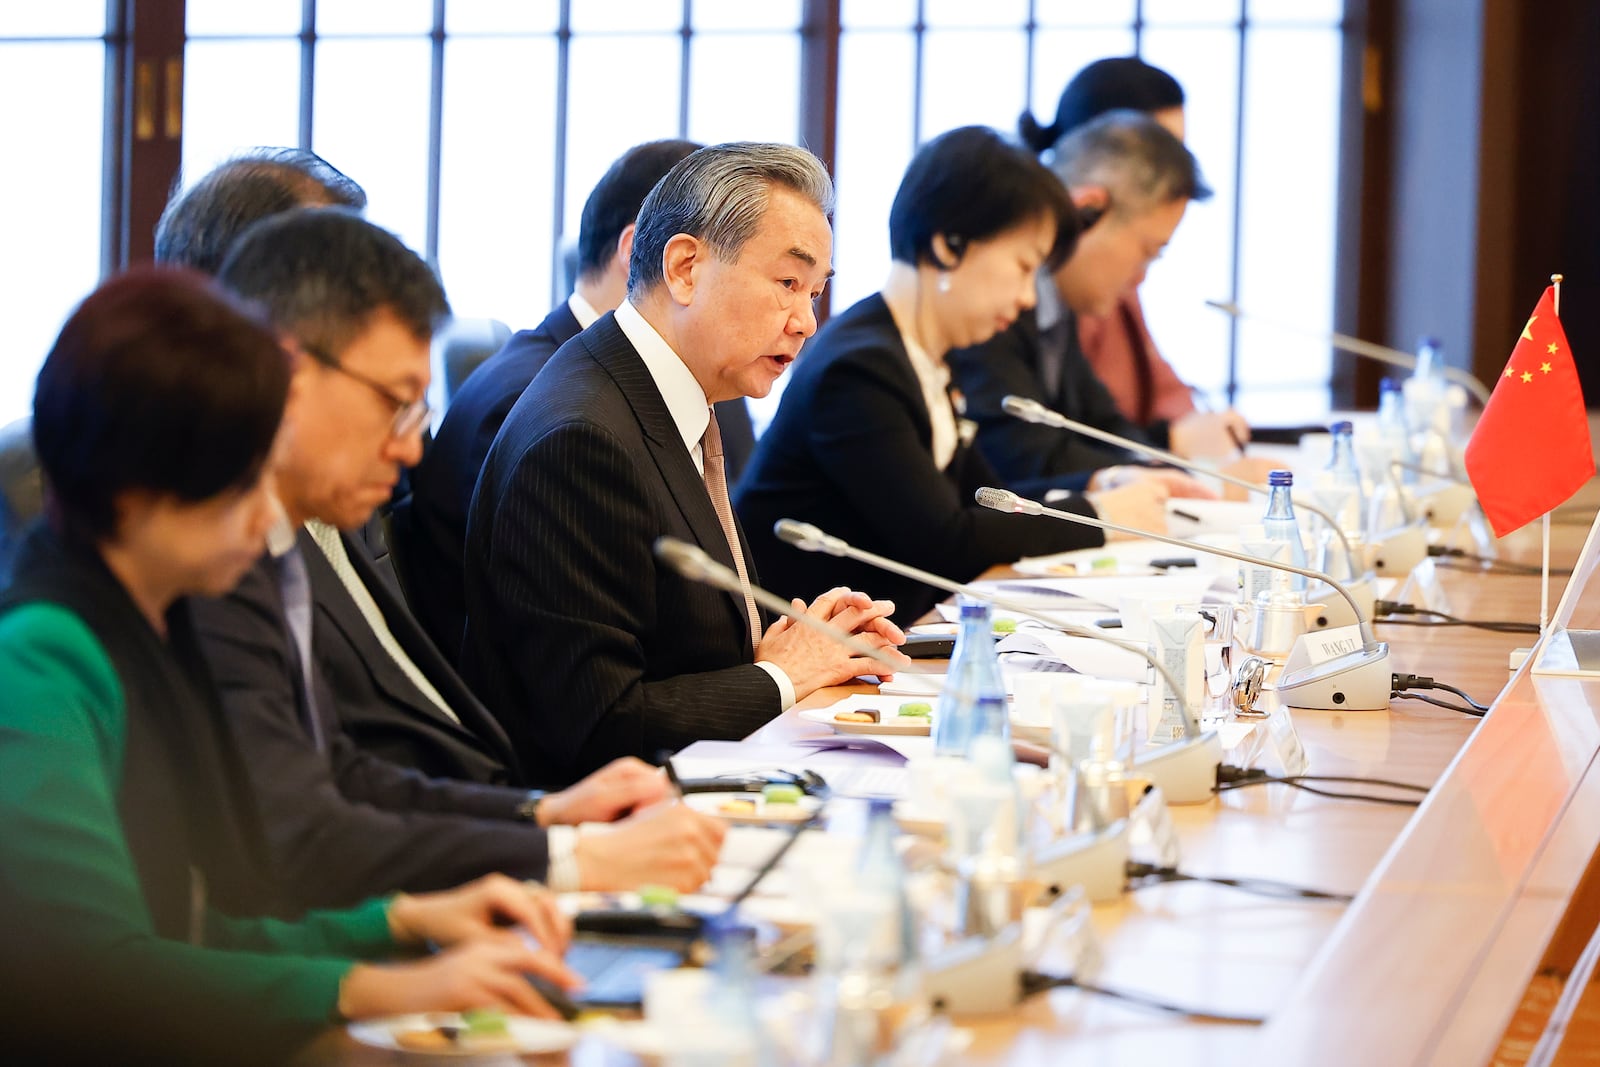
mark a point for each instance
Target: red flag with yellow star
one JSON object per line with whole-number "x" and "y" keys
{"x": 1530, "y": 450}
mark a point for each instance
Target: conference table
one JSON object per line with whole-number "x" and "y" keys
{"x": 1457, "y": 903}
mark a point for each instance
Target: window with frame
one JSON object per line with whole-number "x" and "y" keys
{"x": 479, "y": 126}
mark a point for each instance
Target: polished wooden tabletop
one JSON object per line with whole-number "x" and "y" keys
{"x": 1455, "y": 901}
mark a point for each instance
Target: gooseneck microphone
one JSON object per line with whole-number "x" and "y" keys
{"x": 1028, "y": 410}
{"x": 1186, "y": 770}
{"x": 1357, "y": 347}
{"x": 692, "y": 563}
{"x": 1358, "y": 680}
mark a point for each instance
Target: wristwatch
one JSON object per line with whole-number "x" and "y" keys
{"x": 529, "y": 808}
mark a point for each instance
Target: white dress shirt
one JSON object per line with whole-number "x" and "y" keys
{"x": 582, "y": 310}
{"x": 934, "y": 377}
{"x": 691, "y": 413}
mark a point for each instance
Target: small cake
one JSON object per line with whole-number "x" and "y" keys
{"x": 779, "y": 793}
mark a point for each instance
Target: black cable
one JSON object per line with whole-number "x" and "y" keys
{"x": 1033, "y": 982}
{"x": 1474, "y": 712}
{"x": 1399, "y": 683}
{"x": 1371, "y": 798}
{"x": 1230, "y": 777}
{"x": 1229, "y": 773}
{"x": 1489, "y": 627}
{"x": 1439, "y": 618}
{"x": 1144, "y": 875}
{"x": 1484, "y": 563}
{"x": 1462, "y": 695}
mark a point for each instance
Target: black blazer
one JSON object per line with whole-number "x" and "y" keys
{"x": 377, "y": 706}
{"x": 581, "y": 643}
{"x": 343, "y": 824}
{"x": 181, "y": 798}
{"x": 434, "y": 532}
{"x": 1010, "y": 364}
{"x": 851, "y": 451}
{"x": 433, "y": 535}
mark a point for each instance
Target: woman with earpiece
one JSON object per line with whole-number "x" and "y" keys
{"x": 869, "y": 443}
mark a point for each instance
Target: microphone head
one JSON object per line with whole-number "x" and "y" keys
{"x": 999, "y": 500}
{"x": 802, "y": 535}
{"x": 1021, "y": 407}
{"x": 688, "y": 560}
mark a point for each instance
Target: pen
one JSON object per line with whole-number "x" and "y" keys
{"x": 1186, "y": 515}
{"x": 1238, "y": 442}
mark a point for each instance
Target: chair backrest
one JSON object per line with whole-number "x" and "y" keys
{"x": 461, "y": 345}
{"x": 21, "y": 489}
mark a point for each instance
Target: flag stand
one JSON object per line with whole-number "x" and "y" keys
{"x": 1544, "y": 570}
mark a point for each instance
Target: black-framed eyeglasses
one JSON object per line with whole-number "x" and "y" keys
{"x": 409, "y": 415}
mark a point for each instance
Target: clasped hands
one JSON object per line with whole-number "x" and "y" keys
{"x": 813, "y": 660}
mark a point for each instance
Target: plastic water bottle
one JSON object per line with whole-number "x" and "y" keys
{"x": 974, "y": 675}
{"x": 987, "y": 839}
{"x": 879, "y": 871}
{"x": 1342, "y": 475}
{"x": 866, "y": 953}
{"x": 1426, "y": 411}
{"x": 1395, "y": 431}
{"x": 1280, "y": 524}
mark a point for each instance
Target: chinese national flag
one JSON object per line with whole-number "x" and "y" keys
{"x": 1530, "y": 450}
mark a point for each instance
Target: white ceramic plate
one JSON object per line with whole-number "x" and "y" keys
{"x": 764, "y": 814}
{"x": 902, "y": 725}
{"x": 525, "y": 1035}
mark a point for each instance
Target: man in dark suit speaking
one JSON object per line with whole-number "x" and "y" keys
{"x": 583, "y": 645}
{"x": 433, "y": 527}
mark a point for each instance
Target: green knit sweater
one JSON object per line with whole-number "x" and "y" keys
{"x": 66, "y": 868}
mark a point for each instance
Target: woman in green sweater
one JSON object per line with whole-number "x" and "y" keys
{"x": 119, "y": 797}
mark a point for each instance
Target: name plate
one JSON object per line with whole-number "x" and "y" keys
{"x": 1324, "y": 645}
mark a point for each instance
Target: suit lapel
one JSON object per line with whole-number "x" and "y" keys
{"x": 476, "y": 722}
{"x": 611, "y": 348}
{"x": 336, "y": 606}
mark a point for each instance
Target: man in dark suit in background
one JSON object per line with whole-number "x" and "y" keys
{"x": 581, "y": 643}
{"x": 432, "y": 529}
{"x": 379, "y": 707}
{"x": 200, "y": 224}
{"x": 1134, "y": 180}
{"x": 357, "y": 309}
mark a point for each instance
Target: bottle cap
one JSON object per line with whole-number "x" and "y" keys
{"x": 973, "y": 609}
{"x": 1342, "y": 426}
{"x": 1276, "y": 478}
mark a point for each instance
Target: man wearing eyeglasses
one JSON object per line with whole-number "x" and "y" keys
{"x": 341, "y": 822}
{"x": 1132, "y": 181}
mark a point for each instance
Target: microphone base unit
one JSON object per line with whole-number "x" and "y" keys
{"x": 977, "y": 975}
{"x": 1445, "y": 505}
{"x": 1097, "y": 862}
{"x": 1356, "y": 681}
{"x": 1186, "y": 770}
{"x": 1397, "y": 553}
{"x": 1334, "y": 610}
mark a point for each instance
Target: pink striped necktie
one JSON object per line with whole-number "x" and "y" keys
{"x": 717, "y": 486}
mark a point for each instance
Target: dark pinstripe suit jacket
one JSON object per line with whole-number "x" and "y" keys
{"x": 582, "y": 644}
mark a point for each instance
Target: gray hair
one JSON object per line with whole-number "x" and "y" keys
{"x": 719, "y": 195}
{"x": 1136, "y": 159}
